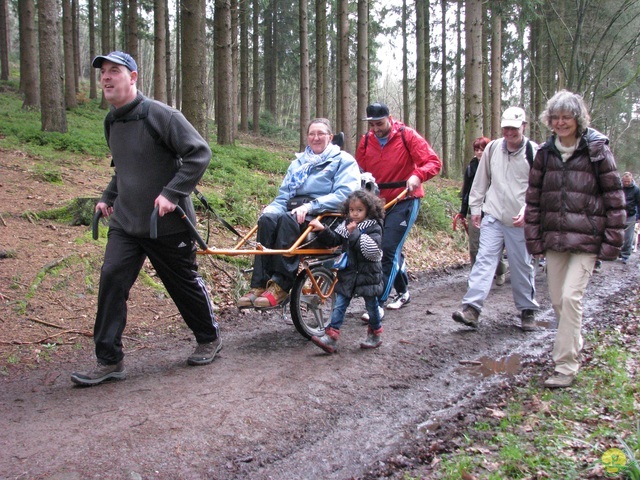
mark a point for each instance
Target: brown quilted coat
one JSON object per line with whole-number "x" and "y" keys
{"x": 577, "y": 205}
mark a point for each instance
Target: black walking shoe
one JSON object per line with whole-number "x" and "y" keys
{"x": 205, "y": 353}
{"x": 100, "y": 374}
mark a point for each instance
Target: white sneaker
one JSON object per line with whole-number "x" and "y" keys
{"x": 400, "y": 301}
{"x": 365, "y": 315}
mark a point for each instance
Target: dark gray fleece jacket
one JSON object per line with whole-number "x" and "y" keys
{"x": 170, "y": 162}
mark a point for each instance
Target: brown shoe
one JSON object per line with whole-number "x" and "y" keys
{"x": 468, "y": 316}
{"x": 248, "y": 298}
{"x": 273, "y": 296}
{"x": 559, "y": 380}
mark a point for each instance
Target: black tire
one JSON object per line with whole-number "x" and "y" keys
{"x": 310, "y": 314}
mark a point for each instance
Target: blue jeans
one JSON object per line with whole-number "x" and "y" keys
{"x": 340, "y": 307}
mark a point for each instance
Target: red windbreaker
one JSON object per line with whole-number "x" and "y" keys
{"x": 398, "y": 159}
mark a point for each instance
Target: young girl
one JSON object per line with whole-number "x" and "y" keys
{"x": 360, "y": 235}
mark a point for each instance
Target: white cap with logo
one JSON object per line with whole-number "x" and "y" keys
{"x": 513, "y": 117}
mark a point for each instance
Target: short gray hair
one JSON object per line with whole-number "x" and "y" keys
{"x": 322, "y": 121}
{"x": 566, "y": 101}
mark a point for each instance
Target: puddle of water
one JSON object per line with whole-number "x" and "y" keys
{"x": 485, "y": 366}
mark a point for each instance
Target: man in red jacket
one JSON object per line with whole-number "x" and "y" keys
{"x": 398, "y": 157}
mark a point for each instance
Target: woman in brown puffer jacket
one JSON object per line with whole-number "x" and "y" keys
{"x": 575, "y": 215}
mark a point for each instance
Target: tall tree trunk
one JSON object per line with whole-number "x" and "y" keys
{"x": 459, "y": 140}
{"x": 421, "y": 61}
{"x": 406, "y": 111}
{"x": 69, "y": 66}
{"x": 132, "y": 44}
{"x": 4, "y": 40}
{"x": 304, "y": 71}
{"x": 235, "y": 67}
{"x": 321, "y": 58}
{"x": 244, "y": 65}
{"x": 496, "y": 71}
{"x": 194, "y": 95}
{"x": 93, "y": 87}
{"x": 179, "y": 55}
{"x": 427, "y": 71}
{"x": 167, "y": 55}
{"x": 159, "y": 51}
{"x": 443, "y": 99}
{"x": 53, "y": 115}
{"x": 473, "y": 74}
{"x": 486, "y": 90}
{"x": 224, "y": 108}
{"x": 76, "y": 43}
{"x": 363, "y": 67}
{"x": 255, "y": 61}
{"x": 105, "y": 36}
{"x": 344, "y": 100}
{"x": 28, "y": 54}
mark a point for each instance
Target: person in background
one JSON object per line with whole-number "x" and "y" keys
{"x": 575, "y": 214}
{"x": 317, "y": 181}
{"x": 498, "y": 192}
{"x": 479, "y": 145}
{"x": 632, "y": 195}
{"x": 148, "y": 174}
{"x": 399, "y": 158}
{"x": 361, "y": 236}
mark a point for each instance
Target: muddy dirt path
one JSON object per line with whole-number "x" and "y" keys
{"x": 272, "y": 405}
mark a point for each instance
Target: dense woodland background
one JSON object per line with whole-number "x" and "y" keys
{"x": 251, "y": 64}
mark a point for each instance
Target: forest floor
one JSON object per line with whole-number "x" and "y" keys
{"x": 272, "y": 405}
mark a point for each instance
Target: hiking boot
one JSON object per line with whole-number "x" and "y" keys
{"x": 329, "y": 341}
{"x": 500, "y": 279}
{"x": 468, "y": 316}
{"x": 273, "y": 296}
{"x": 205, "y": 353}
{"x": 597, "y": 268}
{"x": 528, "y": 320}
{"x": 248, "y": 298}
{"x": 365, "y": 315}
{"x": 400, "y": 301}
{"x": 373, "y": 339}
{"x": 559, "y": 380}
{"x": 100, "y": 374}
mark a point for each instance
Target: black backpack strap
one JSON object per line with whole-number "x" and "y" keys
{"x": 528, "y": 152}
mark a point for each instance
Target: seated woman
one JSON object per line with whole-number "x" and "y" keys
{"x": 325, "y": 175}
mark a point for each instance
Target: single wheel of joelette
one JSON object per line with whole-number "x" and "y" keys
{"x": 310, "y": 312}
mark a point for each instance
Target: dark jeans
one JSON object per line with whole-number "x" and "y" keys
{"x": 397, "y": 224}
{"x": 174, "y": 259}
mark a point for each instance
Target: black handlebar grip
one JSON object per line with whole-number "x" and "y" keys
{"x": 94, "y": 223}
{"x": 153, "y": 226}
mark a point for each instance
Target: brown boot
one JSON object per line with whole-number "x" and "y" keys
{"x": 248, "y": 298}
{"x": 329, "y": 341}
{"x": 273, "y": 296}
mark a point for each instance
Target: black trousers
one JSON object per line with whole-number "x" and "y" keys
{"x": 277, "y": 231}
{"x": 174, "y": 259}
